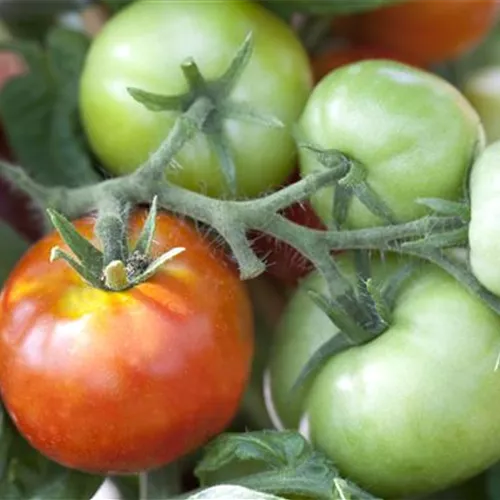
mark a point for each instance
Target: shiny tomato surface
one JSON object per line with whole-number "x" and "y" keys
{"x": 124, "y": 381}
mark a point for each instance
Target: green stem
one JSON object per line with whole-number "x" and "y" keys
{"x": 185, "y": 128}
{"x": 111, "y": 229}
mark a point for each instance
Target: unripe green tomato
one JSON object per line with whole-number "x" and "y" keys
{"x": 411, "y": 412}
{"x": 144, "y": 45}
{"x": 484, "y": 226}
{"x": 415, "y": 134}
{"x": 483, "y": 90}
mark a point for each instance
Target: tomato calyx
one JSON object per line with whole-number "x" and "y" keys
{"x": 115, "y": 268}
{"x": 361, "y": 313}
{"x": 352, "y": 184}
{"x": 217, "y": 93}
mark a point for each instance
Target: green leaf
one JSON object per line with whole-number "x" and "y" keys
{"x": 290, "y": 466}
{"x": 12, "y": 248}
{"x": 224, "y": 154}
{"x": 327, "y": 6}
{"x": 39, "y": 110}
{"x": 27, "y": 475}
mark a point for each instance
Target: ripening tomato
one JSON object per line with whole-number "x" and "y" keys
{"x": 427, "y": 31}
{"x": 124, "y": 381}
{"x": 329, "y": 60}
{"x": 414, "y": 410}
{"x": 144, "y": 46}
{"x": 413, "y": 132}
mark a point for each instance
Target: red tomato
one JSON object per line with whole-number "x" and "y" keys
{"x": 283, "y": 261}
{"x": 124, "y": 381}
{"x": 427, "y": 31}
{"x": 327, "y": 61}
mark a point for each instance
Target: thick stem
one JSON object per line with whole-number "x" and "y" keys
{"x": 111, "y": 229}
{"x": 185, "y": 128}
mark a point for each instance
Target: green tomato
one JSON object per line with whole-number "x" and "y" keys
{"x": 411, "y": 412}
{"x": 482, "y": 88}
{"x": 415, "y": 134}
{"x": 144, "y": 46}
{"x": 484, "y": 227}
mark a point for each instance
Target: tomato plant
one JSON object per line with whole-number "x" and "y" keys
{"x": 388, "y": 412}
{"x": 124, "y": 381}
{"x": 414, "y": 134}
{"x": 144, "y": 46}
{"x": 424, "y": 30}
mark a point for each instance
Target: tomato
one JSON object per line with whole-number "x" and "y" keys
{"x": 482, "y": 88}
{"x": 427, "y": 31}
{"x": 144, "y": 45}
{"x": 415, "y": 134}
{"x": 124, "y": 381}
{"x": 414, "y": 410}
{"x": 484, "y": 227}
{"x": 329, "y": 60}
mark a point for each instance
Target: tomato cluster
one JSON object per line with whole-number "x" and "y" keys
{"x": 123, "y": 379}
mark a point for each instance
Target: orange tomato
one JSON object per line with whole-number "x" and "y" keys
{"x": 124, "y": 381}
{"x": 427, "y": 31}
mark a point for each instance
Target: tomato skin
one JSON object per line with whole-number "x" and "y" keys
{"x": 424, "y": 30}
{"x": 326, "y": 62}
{"x": 484, "y": 226}
{"x": 122, "y": 382}
{"x": 415, "y": 134}
{"x": 144, "y": 45}
{"x": 395, "y": 415}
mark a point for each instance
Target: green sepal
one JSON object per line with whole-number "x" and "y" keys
{"x": 156, "y": 264}
{"x": 446, "y": 207}
{"x": 381, "y": 312}
{"x": 341, "y": 200}
{"x": 446, "y": 239}
{"x": 342, "y": 319}
{"x": 242, "y": 111}
{"x": 221, "y": 147}
{"x": 56, "y": 253}
{"x": 89, "y": 256}
{"x": 356, "y": 181}
{"x": 192, "y": 74}
{"x": 143, "y": 244}
{"x": 392, "y": 286}
{"x": 226, "y": 83}
{"x": 158, "y": 103}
